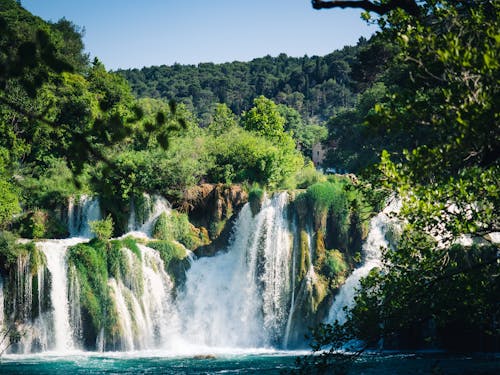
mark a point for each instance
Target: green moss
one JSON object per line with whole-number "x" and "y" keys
{"x": 168, "y": 250}
{"x": 131, "y": 244}
{"x": 305, "y": 261}
{"x": 176, "y": 226}
{"x": 161, "y": 228}
{"x": 90, "y": 264}
{"x": 37, "y": 258}
{"x": 10, "y": 250}
{"x": 319, "y": 250}
{"x": 174, "y": 257}
{"x": 334, "y": 264}
{"x": 255, "y": 198}
{"x": 320, "y": 291}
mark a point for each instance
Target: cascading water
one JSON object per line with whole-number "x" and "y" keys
{"x": 80, "y": 214}
{"x": 152, "y": 208}
{"x": 241, "y": 298}
{"x": 372, "y": 251}
{"x": 252, "y": 295}
{"x": 55, "y": 255}
{"x": 142, "y": 301}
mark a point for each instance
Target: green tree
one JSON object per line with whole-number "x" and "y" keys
{"x": 103, "y": 229}
{"x": 445, "y": 103}
{"x": 264, "y": 119}
{"x": 223, "y": 120}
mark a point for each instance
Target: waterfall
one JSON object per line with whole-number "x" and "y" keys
{"x": 144, "y": 220}
{"x": 55, "y": 254}
{"x": 372, "y": 247}
{"x": 240, "y": 298}
{"x": 75, "y": 306}
{"x": 124, "y": 318}
{"x": 143, "y": 303}
{"x": 26, "y": 307}
{"x": 303, "y": 297}
{"x": 79, "y": 215}
{"x": 158, "y": 305}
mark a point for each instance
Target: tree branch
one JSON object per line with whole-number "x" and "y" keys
{"x": 409, "y": 6}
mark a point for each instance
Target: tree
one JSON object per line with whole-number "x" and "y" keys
{"x": 379, "y": 7}
{"x": 445, "y": 103}
{"x": 264, "y": 119}
{"x": 223, "y": 120}
{"x": 103, "y": 229}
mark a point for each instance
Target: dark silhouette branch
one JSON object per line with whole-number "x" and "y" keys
{"x": 409, "y": 6}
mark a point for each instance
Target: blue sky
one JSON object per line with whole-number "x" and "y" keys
{"x": 137, "y": 33}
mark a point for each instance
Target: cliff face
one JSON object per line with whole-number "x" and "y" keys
{"x": 213, "y": 209}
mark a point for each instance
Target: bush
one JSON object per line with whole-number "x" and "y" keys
{"x": 103, "y": 229}
{"x": 334, "y": 264}
{"x": 89, "y": 261}
{"x": 9, "y": 203}
{"x": 305, "y": 177}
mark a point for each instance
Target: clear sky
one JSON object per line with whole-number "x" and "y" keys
{"x": 137, "y": 33}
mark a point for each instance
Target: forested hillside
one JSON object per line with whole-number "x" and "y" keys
{"x": 316, "y": 86}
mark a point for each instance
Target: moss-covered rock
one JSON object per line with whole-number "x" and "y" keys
{"x": 90, "y": 264}
{"x": 175, "y": 226}
{"x": 210, "y": 204}
{"x": 175, "y": 258}
{"x": 41, "y": 224}
{"x": 255, "y": 199}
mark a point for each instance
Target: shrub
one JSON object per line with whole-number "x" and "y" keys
{"x": 103, "y": 229}
{"x": 334, "y": 264}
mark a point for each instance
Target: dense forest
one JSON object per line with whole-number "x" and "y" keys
{"x": 414, "y": 111}
{"x": 317, "y": 87}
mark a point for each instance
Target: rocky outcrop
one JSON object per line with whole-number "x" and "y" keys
{"x": 214, "y": 208}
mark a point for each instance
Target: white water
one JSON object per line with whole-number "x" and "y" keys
{"x": 124, "y": 318}
{"x": 156, "y": 205}
{"x": 240, "y": 298}
{"x": 161, "y": 318}
{"x": 143, "y": 303}
{"x": 55, "y": 254}
{"x": 79, "y": 215}
{"x": 372, "y": 251}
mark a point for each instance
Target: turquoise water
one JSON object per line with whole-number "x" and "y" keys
{"x": 261, "y": 363}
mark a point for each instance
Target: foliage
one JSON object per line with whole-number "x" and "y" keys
{"x": 264, "y": 119}
{"x": 305, "y": 177}
{"x": 90, "y": 264}
{"x": 10, "y": 249}
{"x": 306, "y": 135}
{"x": 223, "y": 120}
{"x": 169, "y": 251}
{"x": 9, "y": 202}
{"x": 176, "y": 227}
{"x": 334, "y": 264}
{"x": 103, "y": 229}
{"x": 439, "y": 111}
{"x": 314, "y": 86}
{"x": 50, "y": 185}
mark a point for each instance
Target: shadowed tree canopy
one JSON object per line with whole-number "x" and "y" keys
{"x": 380, "y": 7}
